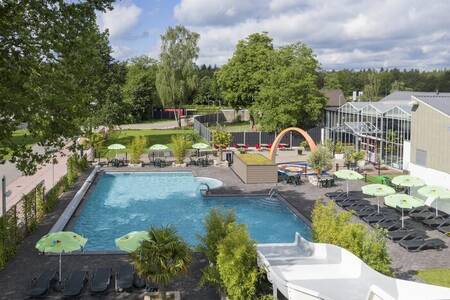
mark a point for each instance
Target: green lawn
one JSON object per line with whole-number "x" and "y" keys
{"x": 21, "y": 137}
{"x": 435, "y": 276}
{"x": 153, "y": 136}
{"x": 235, "y": 127}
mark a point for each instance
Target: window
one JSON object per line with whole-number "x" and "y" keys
{"x": 421, "y": 157}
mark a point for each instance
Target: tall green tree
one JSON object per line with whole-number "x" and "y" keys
{"x": 372, "y": 88}
{"x": 242, "y": 77}
{"x": 331, "y": 81}
{"x": 290, "y": 96}
{"x": 140, "y": 87}
{"x": 51, "y": 73}
{"x": 162, "y": 257}
{"x": 176, "y": 76}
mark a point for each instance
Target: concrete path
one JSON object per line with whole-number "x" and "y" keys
{"x": 22, "y": 185}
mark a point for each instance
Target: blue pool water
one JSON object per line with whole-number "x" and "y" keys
{"x": 124, "y": 202}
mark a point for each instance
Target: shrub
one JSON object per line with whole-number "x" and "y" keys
{"x": 304, "y": 145}
{"x": 216, "y": 224}
{"x": 332, "y": 227}
{"x": 236, "y": 263}
{"x": 358, "y": 155}
{"x": 220, "y": 139}
{"x": 339, "y": 148}
{"x": 180, "y": 145}
{"x": 321, "y": 159}
{"x": 137, "y": 148}
{"x": 162, "y": 257}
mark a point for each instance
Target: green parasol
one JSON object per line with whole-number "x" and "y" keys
{"x": 377, "y": 190}
{"x": 408, "y": 181}
{"x": 200, "y": 146}
{"x": 403, "y": 201}
{"x": 436, "y": 192}
{"x": 348, "y": 175}
{"x": 159, "y": 147}
{"x": 116, "y": 147}
{"x": 131, "y": 241}
{"x": 59, "y": 242}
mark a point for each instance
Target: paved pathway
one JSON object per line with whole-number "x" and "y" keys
{"x": 22, "y": 185}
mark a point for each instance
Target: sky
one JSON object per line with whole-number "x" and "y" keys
{"x": 343, "y": 33}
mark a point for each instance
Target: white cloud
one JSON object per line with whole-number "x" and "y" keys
{"x": 346, "y": 33}
{"x": 121, "y": 19}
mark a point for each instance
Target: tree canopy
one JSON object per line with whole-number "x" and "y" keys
{"x": 291, "y": 96}
{"x": 175, "y": 78}
{"x": 52, "y": 73}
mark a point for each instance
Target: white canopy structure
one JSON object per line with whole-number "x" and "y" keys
{"x": 304, "y": 271}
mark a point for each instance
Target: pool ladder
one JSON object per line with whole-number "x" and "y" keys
{"x": 204, "y": 191}
{"x": 273, "y": 191}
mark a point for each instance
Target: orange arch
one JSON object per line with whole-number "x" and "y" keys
{"x": 309, "y": 140}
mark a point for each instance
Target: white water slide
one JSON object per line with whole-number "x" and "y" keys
{"x": 304, "y": 271}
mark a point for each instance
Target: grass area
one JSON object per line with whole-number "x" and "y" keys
{"x": 153, "y": 136}
{"x": 435, "y": 276}
{"x": 255, "y": 159}
{"x": 234, "y": 127}
{"x": 21, "y": 137}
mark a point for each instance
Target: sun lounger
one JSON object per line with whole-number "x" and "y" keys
{"x": 390, "y": 225}
{"x": 100, "y": 280}
{"x": 350, "y": 203}
{"x": 424, "y": 215}
{"x": 374, "y": 219}
{"x": 420, "y": 244}
{"x": 403, "y": 235}
{"x": 74, "y": 284}
{"x": 444, "y": 229}
{"x": 124, "y": 278}
{"x": 437, "y": 221}
{"x": 41, "y": 284}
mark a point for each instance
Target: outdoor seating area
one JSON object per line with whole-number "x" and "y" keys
{"x": 100, "y": 281}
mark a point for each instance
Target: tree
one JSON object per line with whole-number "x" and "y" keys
{"x": 162, "y": 257}
{"x": 180, "y": 144}
{"x": 331, "y": 227}
{"x": 216, "y": 224}
{"x": 242, "y": 77}
{"x": 290, "y": 96}
{"x": 221, "y": 139}
{"x": 332, "y": 81}
{"x": 320, "y": 159}
{"x": 207, "y": 90}
{"x": 137, "y": 148}
{"x": 175, "y": 78}
{"x": 140, "y": 87}
{"x": 53, "y": 58}
{"x": 399, "y": 86}
{"x": 372, "y": 88}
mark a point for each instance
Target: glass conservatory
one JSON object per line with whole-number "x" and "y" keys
{"x": 379, "y": 128}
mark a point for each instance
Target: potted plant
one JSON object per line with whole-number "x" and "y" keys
{"x": 302, "y": 147}
{"x": 339, "y": 150}
{"x": 136, "y": 149}
{"x": 358, "y": 158}
{"x": 320, "y": 159}
{"x": 180, "y": 147}
{"x": 162, "y": 257}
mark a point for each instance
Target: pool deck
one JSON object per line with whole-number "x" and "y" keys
{"x": 15, "y": 278}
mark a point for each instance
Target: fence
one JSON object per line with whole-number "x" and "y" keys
{"x": 251, "y": 138}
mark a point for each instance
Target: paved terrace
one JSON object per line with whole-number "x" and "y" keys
{"x": 15, "y": 278}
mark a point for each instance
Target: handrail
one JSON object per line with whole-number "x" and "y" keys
{"x": 273, "y": 191}
{"x": 207, "y": 187}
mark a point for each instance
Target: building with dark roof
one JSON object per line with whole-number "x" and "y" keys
{"x": 335, "y": 97}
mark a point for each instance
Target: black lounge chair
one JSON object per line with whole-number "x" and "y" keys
{"x": 353, "y": 203}
{"x": 390, "y": 225}
{"x": 377, "y": 218}
{"x": 74, "y": 284}
{"x": 41, "y": 284}
{"x": 421, "y": 244}
{"x": 437, "y": 221}
{"x": 100, "y": 280}
{"x": 444, "y": 229}
{"x": 403, "y": 235}
{"x": 124, "y": 278}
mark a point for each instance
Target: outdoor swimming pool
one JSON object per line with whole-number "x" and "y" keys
{"x": 124, "y": 202}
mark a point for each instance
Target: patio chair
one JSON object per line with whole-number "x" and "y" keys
{"x": 282, "y": 177}
{"x": 40, "y": 285}
{"x": 437, "y": 221}
{"x": 74, "y": 283}
{"x": 422, "y": 244}
{"x": 124, "y": 278}
{"x": 404, "y": 235}
{"x": 101, "y": 278}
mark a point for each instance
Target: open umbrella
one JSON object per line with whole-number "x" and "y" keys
{"x": 116, "y": 147}
{"x": 436, "y": 192}
{"x": 200, "y": 146}
{"x": 157, "y": 147}
{"x": 59, "y": 242}
{"x": 403, "y": 201}
{"x": 131, "y": 241}
{"x": 377, "y": 190}
{"x": 408, "y": 181}
{"x": 348, "y": 175}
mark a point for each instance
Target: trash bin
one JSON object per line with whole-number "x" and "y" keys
{"x": 229, "y": 157}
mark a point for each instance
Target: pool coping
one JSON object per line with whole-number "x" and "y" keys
{"x": 80, "y": 196}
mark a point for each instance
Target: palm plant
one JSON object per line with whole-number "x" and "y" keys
{"x": 179, "y": 146}
{"x": 162, "y": 257}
